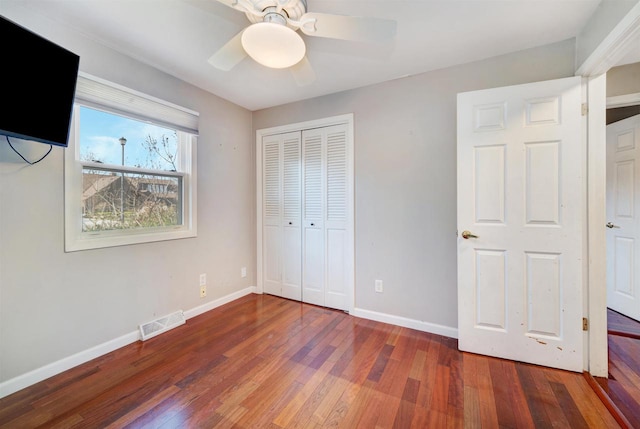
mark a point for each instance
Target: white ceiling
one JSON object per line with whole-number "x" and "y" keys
{"x": 178, "y": 36}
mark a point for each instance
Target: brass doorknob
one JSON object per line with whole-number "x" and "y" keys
{"x": 467, "y": 234}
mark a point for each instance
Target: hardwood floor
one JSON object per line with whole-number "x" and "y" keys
{"x": 619, "y": 324}
{"x": 263, "y": 361}
{"x": 623, "y": 384}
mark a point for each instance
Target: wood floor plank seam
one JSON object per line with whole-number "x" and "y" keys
{"x": 263, "y": 361}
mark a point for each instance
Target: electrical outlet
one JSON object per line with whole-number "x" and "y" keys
{"x": 203, "y": 279}
{"x": 243, "y": 272}
{"x": 378, "y": 285}
{"x": 203, "y": 291}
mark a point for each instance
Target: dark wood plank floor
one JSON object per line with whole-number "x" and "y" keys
{"x": 623, "y": 384}
{"x": 619, "y": 324}
{"x": 263, "y": 361}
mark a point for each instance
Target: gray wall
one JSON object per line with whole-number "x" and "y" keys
{"x": 54, "y": 304}
{"x": 623, "y": 80}
{"x": 602, "y": 22}
{"x": 405, "y": 168}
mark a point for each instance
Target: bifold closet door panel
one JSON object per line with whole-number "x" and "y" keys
{"x": 282, "y": 249}
{"x": 291, "y": 220}
{"x": 325, "y": 211}
{"x": 271, "y": 208}
{"x": 313, "y": 205}
{"x": 336, "y": 225}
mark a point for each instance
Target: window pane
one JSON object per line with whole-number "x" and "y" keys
{"x": 147, "y": 145}
{"x": 114, "y": 200}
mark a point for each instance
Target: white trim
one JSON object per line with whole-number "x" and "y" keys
{"x": 612, "y": 49}
{"x": 615, "y": 46}
{"x": 418, "y": 325}
{"x": 623, "y": 100}
{"x": 39, "y": 374}
{"x": 306, "y": 125}
{"x": 598, "y": 361}
{"x": 25, "y": 380}
{"x": 77, "y": 240}
{"x": 347, "y": 119}
{"x": 218, "y": 302}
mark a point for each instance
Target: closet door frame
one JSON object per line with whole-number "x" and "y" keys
{"x": 347, "y": 120}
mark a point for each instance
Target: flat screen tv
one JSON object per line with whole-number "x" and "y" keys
{"x": 37, "y": 86}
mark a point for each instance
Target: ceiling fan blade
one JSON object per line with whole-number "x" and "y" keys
{"x": 303, "y": 72}
{"x": 229, "y": 55}
{"x": 354, "y": 28}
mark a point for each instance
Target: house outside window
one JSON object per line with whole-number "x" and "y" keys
{"x": 129, "y": 169}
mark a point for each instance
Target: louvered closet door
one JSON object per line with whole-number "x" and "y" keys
{"x": 282, "y": 215}
{"x": 325, "y": 242}
{"x": 271, "y": 206}
{"x": 291, "y": 220}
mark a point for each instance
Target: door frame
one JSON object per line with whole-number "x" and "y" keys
{"x": 611, "y": 50}
{"x": 346, "y": 119}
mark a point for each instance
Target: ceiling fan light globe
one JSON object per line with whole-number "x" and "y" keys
{"x": 273, "y": 45}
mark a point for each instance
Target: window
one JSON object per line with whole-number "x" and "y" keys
{"x": 129, "y": 169}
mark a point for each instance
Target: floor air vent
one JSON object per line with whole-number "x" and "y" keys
{"x": 163, "y": 324}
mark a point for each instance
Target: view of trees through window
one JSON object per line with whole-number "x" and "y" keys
{"x": 116, "y": 192}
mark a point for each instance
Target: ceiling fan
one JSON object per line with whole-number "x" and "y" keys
{"x": 273, "y": 40}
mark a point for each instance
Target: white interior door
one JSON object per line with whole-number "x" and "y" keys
{"x": 305, "y": 201}
{"x": 291, "y": 217}
{"x": 314, "y": 178}
{"x": 271, "y": 215}
{"x": 521, "y": 169}
{"x": 623, "y": 216}
{"x": 282, "y": 247}
{"x": 326, "y": 240}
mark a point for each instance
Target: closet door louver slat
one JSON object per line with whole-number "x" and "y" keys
{"x": 271, "y": 179}
{"x": 337, "y": 176}
{"x": 313, "y": 178}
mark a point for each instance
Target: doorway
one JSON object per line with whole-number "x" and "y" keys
{"x": 623, "y": 195}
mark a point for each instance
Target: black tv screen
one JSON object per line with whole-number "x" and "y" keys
{"x": 37, "y": 86}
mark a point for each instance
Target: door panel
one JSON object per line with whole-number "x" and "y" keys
{"x": 489, "y": 183}
{"x": 313, "y": 200}
{"x": 291, "y": 219}
{"x": 623, "y": 255}
{"x": 272, "y": 237}
{"x": 307, "y": 212}
{"x": 337, "y": 260}
{"x": 272, "y": 261}
{"x": 291, "y": 263}
{"x": 336, "y": 291}
{"x": 313, "y": 266}
{"x": 520, "y": 192}
{"x": 542, "y": 196}
{"x": 325, "y": 154}
{"x": 491, "y": 289}
{"x": 544, "y": 293}
{"x": 281, "y": 215}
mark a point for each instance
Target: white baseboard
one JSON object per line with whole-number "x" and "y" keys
{"x": 218, "y": 302}
{"x": 32, "y": 377}
{"x": 418, "y": 325}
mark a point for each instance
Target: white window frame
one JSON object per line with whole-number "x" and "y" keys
{"x": 148, "y": 109}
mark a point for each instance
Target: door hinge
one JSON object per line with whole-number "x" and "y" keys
{"x": 585, "y": 324}
{"x": 585, "y": 109}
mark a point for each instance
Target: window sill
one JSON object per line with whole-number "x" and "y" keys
{"x": 99, "y": 240}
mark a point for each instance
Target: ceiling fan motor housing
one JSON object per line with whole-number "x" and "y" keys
{"x": 292, "y": 9}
